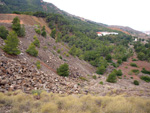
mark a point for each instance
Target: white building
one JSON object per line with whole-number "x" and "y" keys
{"x": 106, "y": 33}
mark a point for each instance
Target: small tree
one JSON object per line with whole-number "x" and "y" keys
{"x": 136, "y": 82}
{"x": 112, "y": 78}
{"x": 22, "y": 31}
{"x": 101, "y": 70}
{"x": 11, "y": 44}
{"x": 119, "y": 72}
{"x": 32, "y": 50}
{"x": 53, "y": 33}
{"x": 72, "y": 51}
{"x": 16, "y": 26}
{"x": 108, "y": 58}
{"x": 43, "y": 32}
{"x": 3, "y": 32}
{"x": 36, "y": 41}
{"x": 63, "y": 70}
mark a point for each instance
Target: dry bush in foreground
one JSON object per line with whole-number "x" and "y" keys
{"x": 18, "y": 102}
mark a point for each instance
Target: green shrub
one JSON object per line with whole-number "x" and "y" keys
{"x": 136, "y": 71}
{"x": 145, "y": 78}
{"x": 38, "y": 64}
{"x": 119, "y": 61}
{"x": 63, "y": 70}
{"x": 94, "y": 77}
{"x": 101, "y": 82}
{"x": 136, "y": 82}
{"x": 44, "y": 34}
{"x": 54, "y": 47}
{"x": 53, "y": 33}
{"x": 108, "y": 57}
{"x": 21, "y": 32}
{"x": 60, "y": 57}
{"x": 16, "y": 26}
{"x": 58, "y": 51}
{"x": 83, "y": 78}
{"x": 67, "y": 55}
{"x": 11, "y": 44}
{"x": 32, "y": 50}
{"x": 124, "y": 58}
{"x": 114, "y": 64}
{"x": 38, "y": 31}
{"x": 112, "y": 78}
{"x": 72, "y": 50}
{"x": 134, "y": 59}
{"x": 36, "y": 42}
{"x": 101, "y": 70}
{"x": 119, "y": 73}
{"x": 45, "y": 48}
{"x": 133, "y": 65}
{"x": 3, "y": 32}
{"x": 145, "y": 71}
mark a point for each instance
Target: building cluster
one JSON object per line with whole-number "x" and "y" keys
{"x": 106, "y": 33}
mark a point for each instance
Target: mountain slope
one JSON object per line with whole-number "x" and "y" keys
{"x": 20, "y": 72}
{"x": 8, "y": 6}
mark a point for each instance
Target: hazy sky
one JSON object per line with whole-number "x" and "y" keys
{"x": 132, "y": 13}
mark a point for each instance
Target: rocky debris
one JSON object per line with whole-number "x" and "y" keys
{"x": 18, "y": 74}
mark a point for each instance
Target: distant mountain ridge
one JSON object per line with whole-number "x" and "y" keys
{"x": 7, "y": 6}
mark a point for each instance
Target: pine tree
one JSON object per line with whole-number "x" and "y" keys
{"x": 36, "y": 41}
{"x": 112, "y": 78}
{"x": 72, "y": 51}
{"x": 16, "y": 25}
{"x": 32, "y": 50}
{"x": 3, "y": 32}
{"x": 63, "y": 70}
{"x": 53, "y": 33}
{"x": 22, "y": 31}
{"x": 11, "y": 44}
{"x": 43, "y": 32}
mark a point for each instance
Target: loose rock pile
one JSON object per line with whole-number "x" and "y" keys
{"x": 19, "y": 74}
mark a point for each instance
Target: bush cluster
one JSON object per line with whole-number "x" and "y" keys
{"x": 63, "y": 70}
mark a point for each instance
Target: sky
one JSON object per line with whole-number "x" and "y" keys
{"x": 132, "y": 13}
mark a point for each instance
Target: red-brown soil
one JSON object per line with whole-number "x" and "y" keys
{"x": 24, "y": 19}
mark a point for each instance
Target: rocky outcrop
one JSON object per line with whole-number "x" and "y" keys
{"x": 19, "y": 74}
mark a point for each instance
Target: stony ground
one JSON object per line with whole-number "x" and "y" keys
{"x": 20, "y": 72}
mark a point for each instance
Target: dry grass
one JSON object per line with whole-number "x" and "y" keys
{"x": 57, "y": 103}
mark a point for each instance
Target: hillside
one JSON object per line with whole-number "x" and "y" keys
{"x": 81, "y": 73}
{"x": 56, "y": 63}
{"x": 131, "y": 31}
{"x": 7, "y": 6}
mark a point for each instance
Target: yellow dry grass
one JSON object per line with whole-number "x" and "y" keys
{"x": 62, "y": 103}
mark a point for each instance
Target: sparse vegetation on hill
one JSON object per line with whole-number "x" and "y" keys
{"x": 142, "y": 50}
{"x": 145, "y": 78}
{"x": 79, "y": 39}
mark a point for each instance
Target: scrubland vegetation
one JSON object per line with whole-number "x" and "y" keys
{"x": 19, "y": 102}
